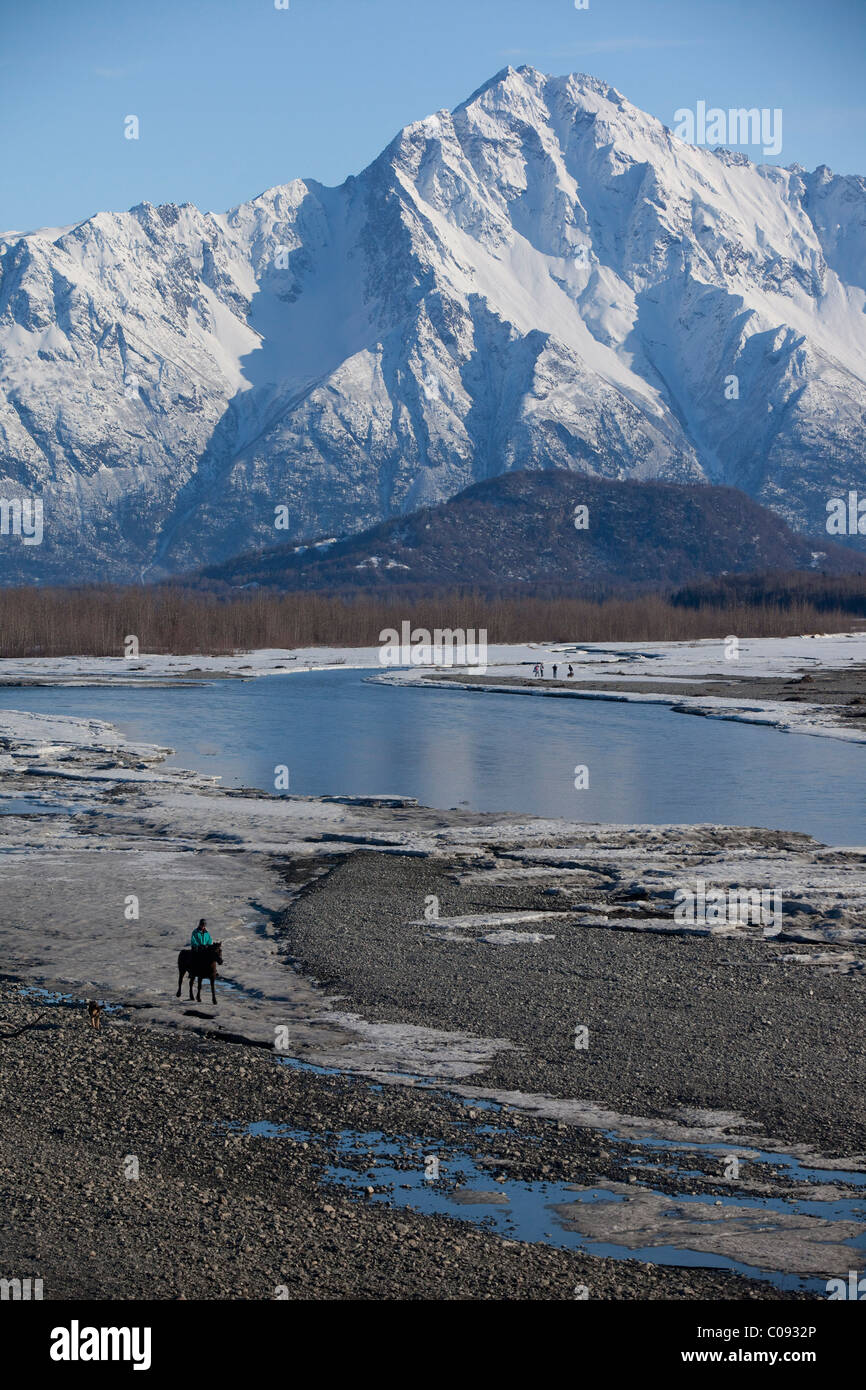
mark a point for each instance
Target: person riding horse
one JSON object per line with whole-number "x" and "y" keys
{"x": 199, "y": 961}
{"x": 201, "y": 937}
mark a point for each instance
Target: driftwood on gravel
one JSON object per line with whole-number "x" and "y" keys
{"x": 15, "y": 1032}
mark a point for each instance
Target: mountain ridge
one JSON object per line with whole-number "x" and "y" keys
{"x": 523, "y": 532}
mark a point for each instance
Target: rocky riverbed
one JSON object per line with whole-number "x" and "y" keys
{"x": 121, "y": 1177}
{"x": 453, "y": 1055}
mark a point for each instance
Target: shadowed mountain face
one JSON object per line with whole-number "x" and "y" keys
{"x": 544, "y": 278}
{"x": 546, "y": 530}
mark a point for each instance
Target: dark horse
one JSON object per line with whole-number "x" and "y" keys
{"x": 200, "y": 964}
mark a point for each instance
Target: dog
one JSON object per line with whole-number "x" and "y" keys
{"x": 95, "y": 1011}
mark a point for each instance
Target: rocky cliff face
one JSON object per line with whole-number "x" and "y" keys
{"x": 544, "y": 277}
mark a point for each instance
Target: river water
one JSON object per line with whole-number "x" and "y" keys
{"x": 339, "y": 733}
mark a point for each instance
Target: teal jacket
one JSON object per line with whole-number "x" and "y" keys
{"x": 200, "y": 938}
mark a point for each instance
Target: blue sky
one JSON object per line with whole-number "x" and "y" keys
{"x": 234, "y": 96}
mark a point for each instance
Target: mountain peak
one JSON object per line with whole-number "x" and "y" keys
{"x": 502, "y": 78}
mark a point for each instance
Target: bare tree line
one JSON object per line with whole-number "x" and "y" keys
{"x": 94, "y": 621}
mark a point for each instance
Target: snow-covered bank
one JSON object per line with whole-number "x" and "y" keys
{"x": 674, "y": 667}
{"x": 163, "y": 669}
{"x": 149, "y": 668}
{"x": 687, "y": 661}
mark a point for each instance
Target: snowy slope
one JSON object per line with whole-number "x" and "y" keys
{"x": 545, "y": 276}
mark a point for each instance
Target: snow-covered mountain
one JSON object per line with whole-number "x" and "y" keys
{"x": 544, "y": 277}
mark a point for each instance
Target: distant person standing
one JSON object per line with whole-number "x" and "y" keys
{"x": 571, "y": 670}
{"x": 554, "y": 673}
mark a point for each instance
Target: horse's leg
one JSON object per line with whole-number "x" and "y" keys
{"x": 191, "y": 982}
{"x": 198, "y": 996}
{"x": 212, "y": 990}
{"x": 179, "y": 982}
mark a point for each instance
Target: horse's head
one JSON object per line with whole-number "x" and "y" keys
{"x": 218, "y": 952}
